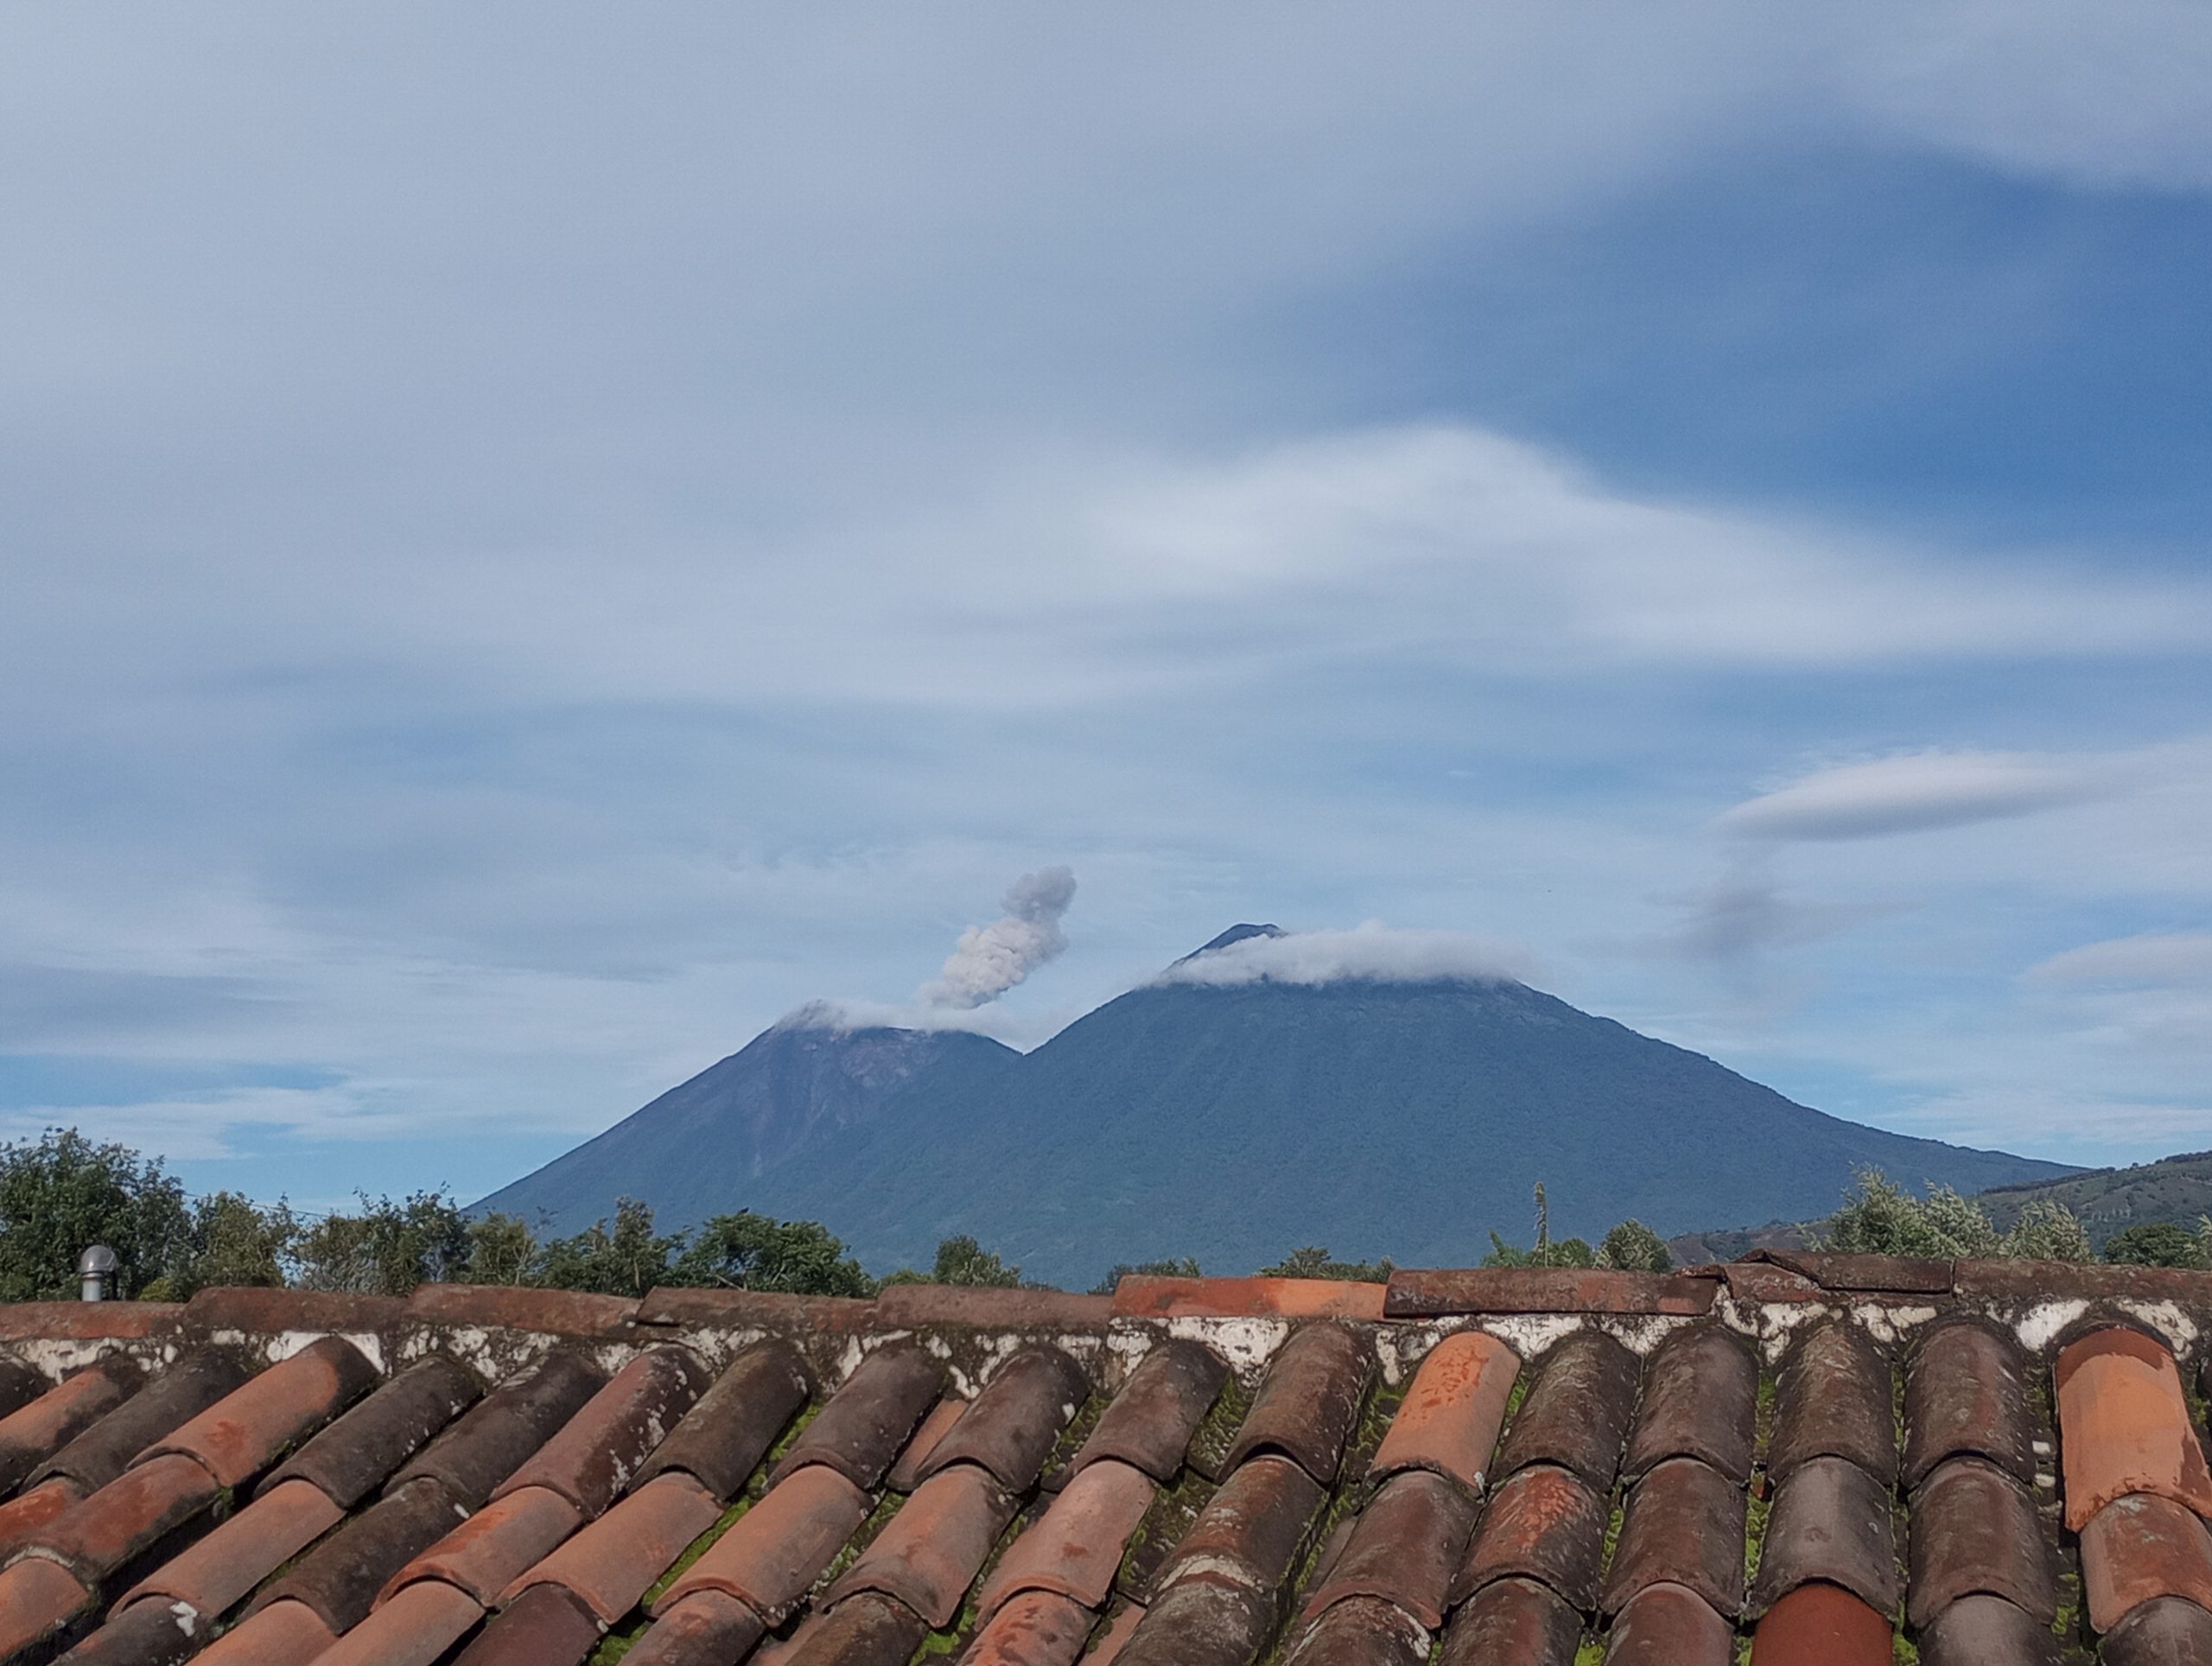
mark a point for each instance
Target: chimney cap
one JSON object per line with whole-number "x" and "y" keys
{"x": 98, "y": 1258}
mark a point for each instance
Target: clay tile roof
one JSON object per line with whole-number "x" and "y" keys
{"x": 869, "y": 1418}
{"x": 1577, "y": 1410}
{"x": 1512, "y": 1622}
{"x": 600, "y": 1449}
{"x": 1209, "y": 1473}
{"x": 1308, "y": 1401}
{"x": 1011, "y": 1426}
{"x": 1450, "y": 1419}
{"x": 1151, "y": 1420}
{"x": 1700, "y": 1395}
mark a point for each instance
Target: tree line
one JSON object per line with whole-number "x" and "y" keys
{"x": 63, "y": 1191}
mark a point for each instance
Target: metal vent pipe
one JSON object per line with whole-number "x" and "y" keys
{"x": 95, "y": 1270}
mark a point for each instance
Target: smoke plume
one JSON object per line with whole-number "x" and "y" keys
{"x": 989, "y": 960}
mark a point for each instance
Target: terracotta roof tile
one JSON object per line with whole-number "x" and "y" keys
{"x": 152, "y": 1632}
{"x": 548, "y": 1313}
{"x": 339, "y": 1578}
{"x": 1822, "y": 1625}
{"x": 1142, "y": 1296}
{"x": 351, "y": 1458}
{"x": 88, "y": 1321}
{"x": 1991, "y": 1632}
{"x": 226, "y": 1307}
{"x": 599, "y": 1450}
{"x": 776, "y": 1550}
{"x": 546, "y": 1625}
{"x": 722, "y": 1439}
{"x": 1201, "y": 1622}
{"x": 1309, "y": 1401}
{"x": 105, "y": 1450}
{"x": 1701, "y": 1398}
{"x": 1009, "y": 1428}
{"x": 221, "y": 1569}
{"x": 1831, "y": 1522}
{"x": 1149, "y": 1423}
{"x": 504, "y": 1429}
{"x": 1405, "y": 1548}
{"x": 611, "y": 1562}
{"x": 1512, "y": 1622}
{"x": 686, "y": 1308}
{"x": 1836, "y": 1397}
{"x": 1037, "y": 1628}
{"x": 1121, "y": 1626}
{"x": 487, "y": 1552}
{"x": 35, "y": 1431}
{"x": 859, "y": 1431}
{"x": 1251, "y": 1531}
{"x": 20, "y": 1384}
{"x": 2167, "y": 1632}
{"x": 1546, "y": 1524}
{"x": 414, "y": 1629}
{"x": 1451, "y": 1417}
{"x": 1974, "y": 1531}
{"x": 256, "y": 1423}
{"x": 906, "y": 1471}
{"x": 706, "y": 1629}
{"x": 1670, "y": 1625}
{"x": 2125, "y": 1426}
{"x": 1577, "y": 1409}
{"x": 37, "y": 1598}
{"x": 2139, "y": 1548}
{"x": 24, "y": 1517}
{"x": 1966, "y": 1393}
{"x": 1422, "y": 1294}
{"x": 868, "y": 1630}
{"x": 283, "y": 1634}
{"x": 1362, "y": 1632}
{"x": 1075, "y": 1548}
{"x": 128, "y": 1517}
{"x": 1684, "y": 1526}
{"x": 929, "y": 1554}
{"x": 905, "y": 1305}
{"x": 1858, "y": 1274}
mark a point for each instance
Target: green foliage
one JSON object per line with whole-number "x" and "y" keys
{"x": 2156, "y": 1243}
{"x": 962, "y": 1261}
{"x": 502, "y": 1250}
{"x": 61, "y": 1192}
{"x": 1312, "y": 1261}
{"x": 1880, "y": 1217}
{"x": 1635, "y": 1248}
{"x": 388, "y": 1248}
{"x": 230, "y": 1239}
{"x": 747, "y": 1252}
{"x": 1563, "y": 1252}
{"x": 1179, "y": 1267}
{"x": 626, "y": 1259}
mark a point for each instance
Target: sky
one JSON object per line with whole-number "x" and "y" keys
{"x": 536, "y": 540}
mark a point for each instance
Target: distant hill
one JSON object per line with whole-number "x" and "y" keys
{"x": 2105, "y": 1200}
{"x": 1232, "y": 1123}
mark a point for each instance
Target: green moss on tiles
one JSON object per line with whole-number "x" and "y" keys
{"x": 1754, "y": 1535}
{"x": 1591, "y": 1653}
{"x": 757, "y": 1483}
{"x": 693, "y": 1551}
{"x": 1217, "y": 1430}
{"x": 1901, "y": 1651}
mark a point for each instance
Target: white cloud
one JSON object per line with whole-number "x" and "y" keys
{"x": 1915, "y": 794}
{"x": 1368, "y": 953}
{"x": 2152, "y": 958}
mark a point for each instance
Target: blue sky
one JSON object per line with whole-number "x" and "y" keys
{"x": 536, "y": 542}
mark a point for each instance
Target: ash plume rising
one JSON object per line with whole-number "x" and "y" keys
{"x": 989, "y": 960}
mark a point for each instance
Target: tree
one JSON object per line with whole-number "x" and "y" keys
{"x": 2047, "y": 1230}
{"x": 502, "y": 1250}
{"x": 747, "y": 1252}
{"x": 387, "y": 1250}
{"x": 61, "y": 1193}
{"x": 626, "y": 1260}
{"x": 1635, "y": 1248}
{"x": 1178, "y": 1266}
{"x": 232, "y": 1239}
{"x": 1563, "y": 1252}
{"x": 1880, "y": 1217}
{"x": 2155, "y": 1244}
{"x": 1312, "y": 1261}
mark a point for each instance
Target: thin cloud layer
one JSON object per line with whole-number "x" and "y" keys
{"x": 1913, "y": 794}
{"x": 2152, "y": 959}
{"x": 1370, "y": 952}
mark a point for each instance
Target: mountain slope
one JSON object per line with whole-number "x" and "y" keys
{"x": 1234, "y": 1122}
{"x": 701, "y": 1148}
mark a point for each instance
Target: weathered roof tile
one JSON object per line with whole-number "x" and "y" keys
{"x": 1308, "y": 1401}
{"x": 351, "y": 1458}
{"x": 128, "y": 1516}
{"x": 1362, "y": 1632}
{"x": 2125, "y": 1425}
{"x": 339, "y": 1578}
{"x": 1149, "y": 1423}
{"x": 1009, "y": 1428}
{"x": 37, "y": 1598}
{"x": 186, "y": 1390}
{"x": 1405, "y": 1548}
{"x": 611, "y": 1562}
{"x": 706, "y": 1629}
{"x": 1422, "y": 1294}
{"x": 36, "y": 1430}
{"x": 1037, "y": 1628}
{"x": 770, "y": 1554}
{"x": 1546, "y": 1524}
{"x": 1700, "y": 1395}
{"x": 867, "y": 1421}
{"x": 722, "y": 1439}
{"x": 1513, "y": 1622}
{"x": 1577, "y": 1409}
{"x": 2140, "y": 1548}
{"x": 1450, "y": 1418}
{"x": 1076, "y": 1546}
{"x": 1252, "y": 1530}
{"x": 1836, "y": 1397}
{"x": 1822, "y": 1625}
{"x": 929, "y": 1554}
{"x": 1974, "y": 1531}
{"x": 1202, "y": 1622}
{"x": 486, "y": 1552}
{"x": 2164, "y": 1631}
{"x": 546, "y": 1625}
{"x": 1991, "y": 1632}
{"x": 1831, "y": 1522}
{"x": 1966, "y": 1394}
{"x": 1668, "y": 1624}
{"x": 1684, "y": 1526}
{"x": 503, "y": 1429}
{"x": 255, "y": 1424}
{"x": 600, "y": 1451}
{"x": 221, "y": 1569}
